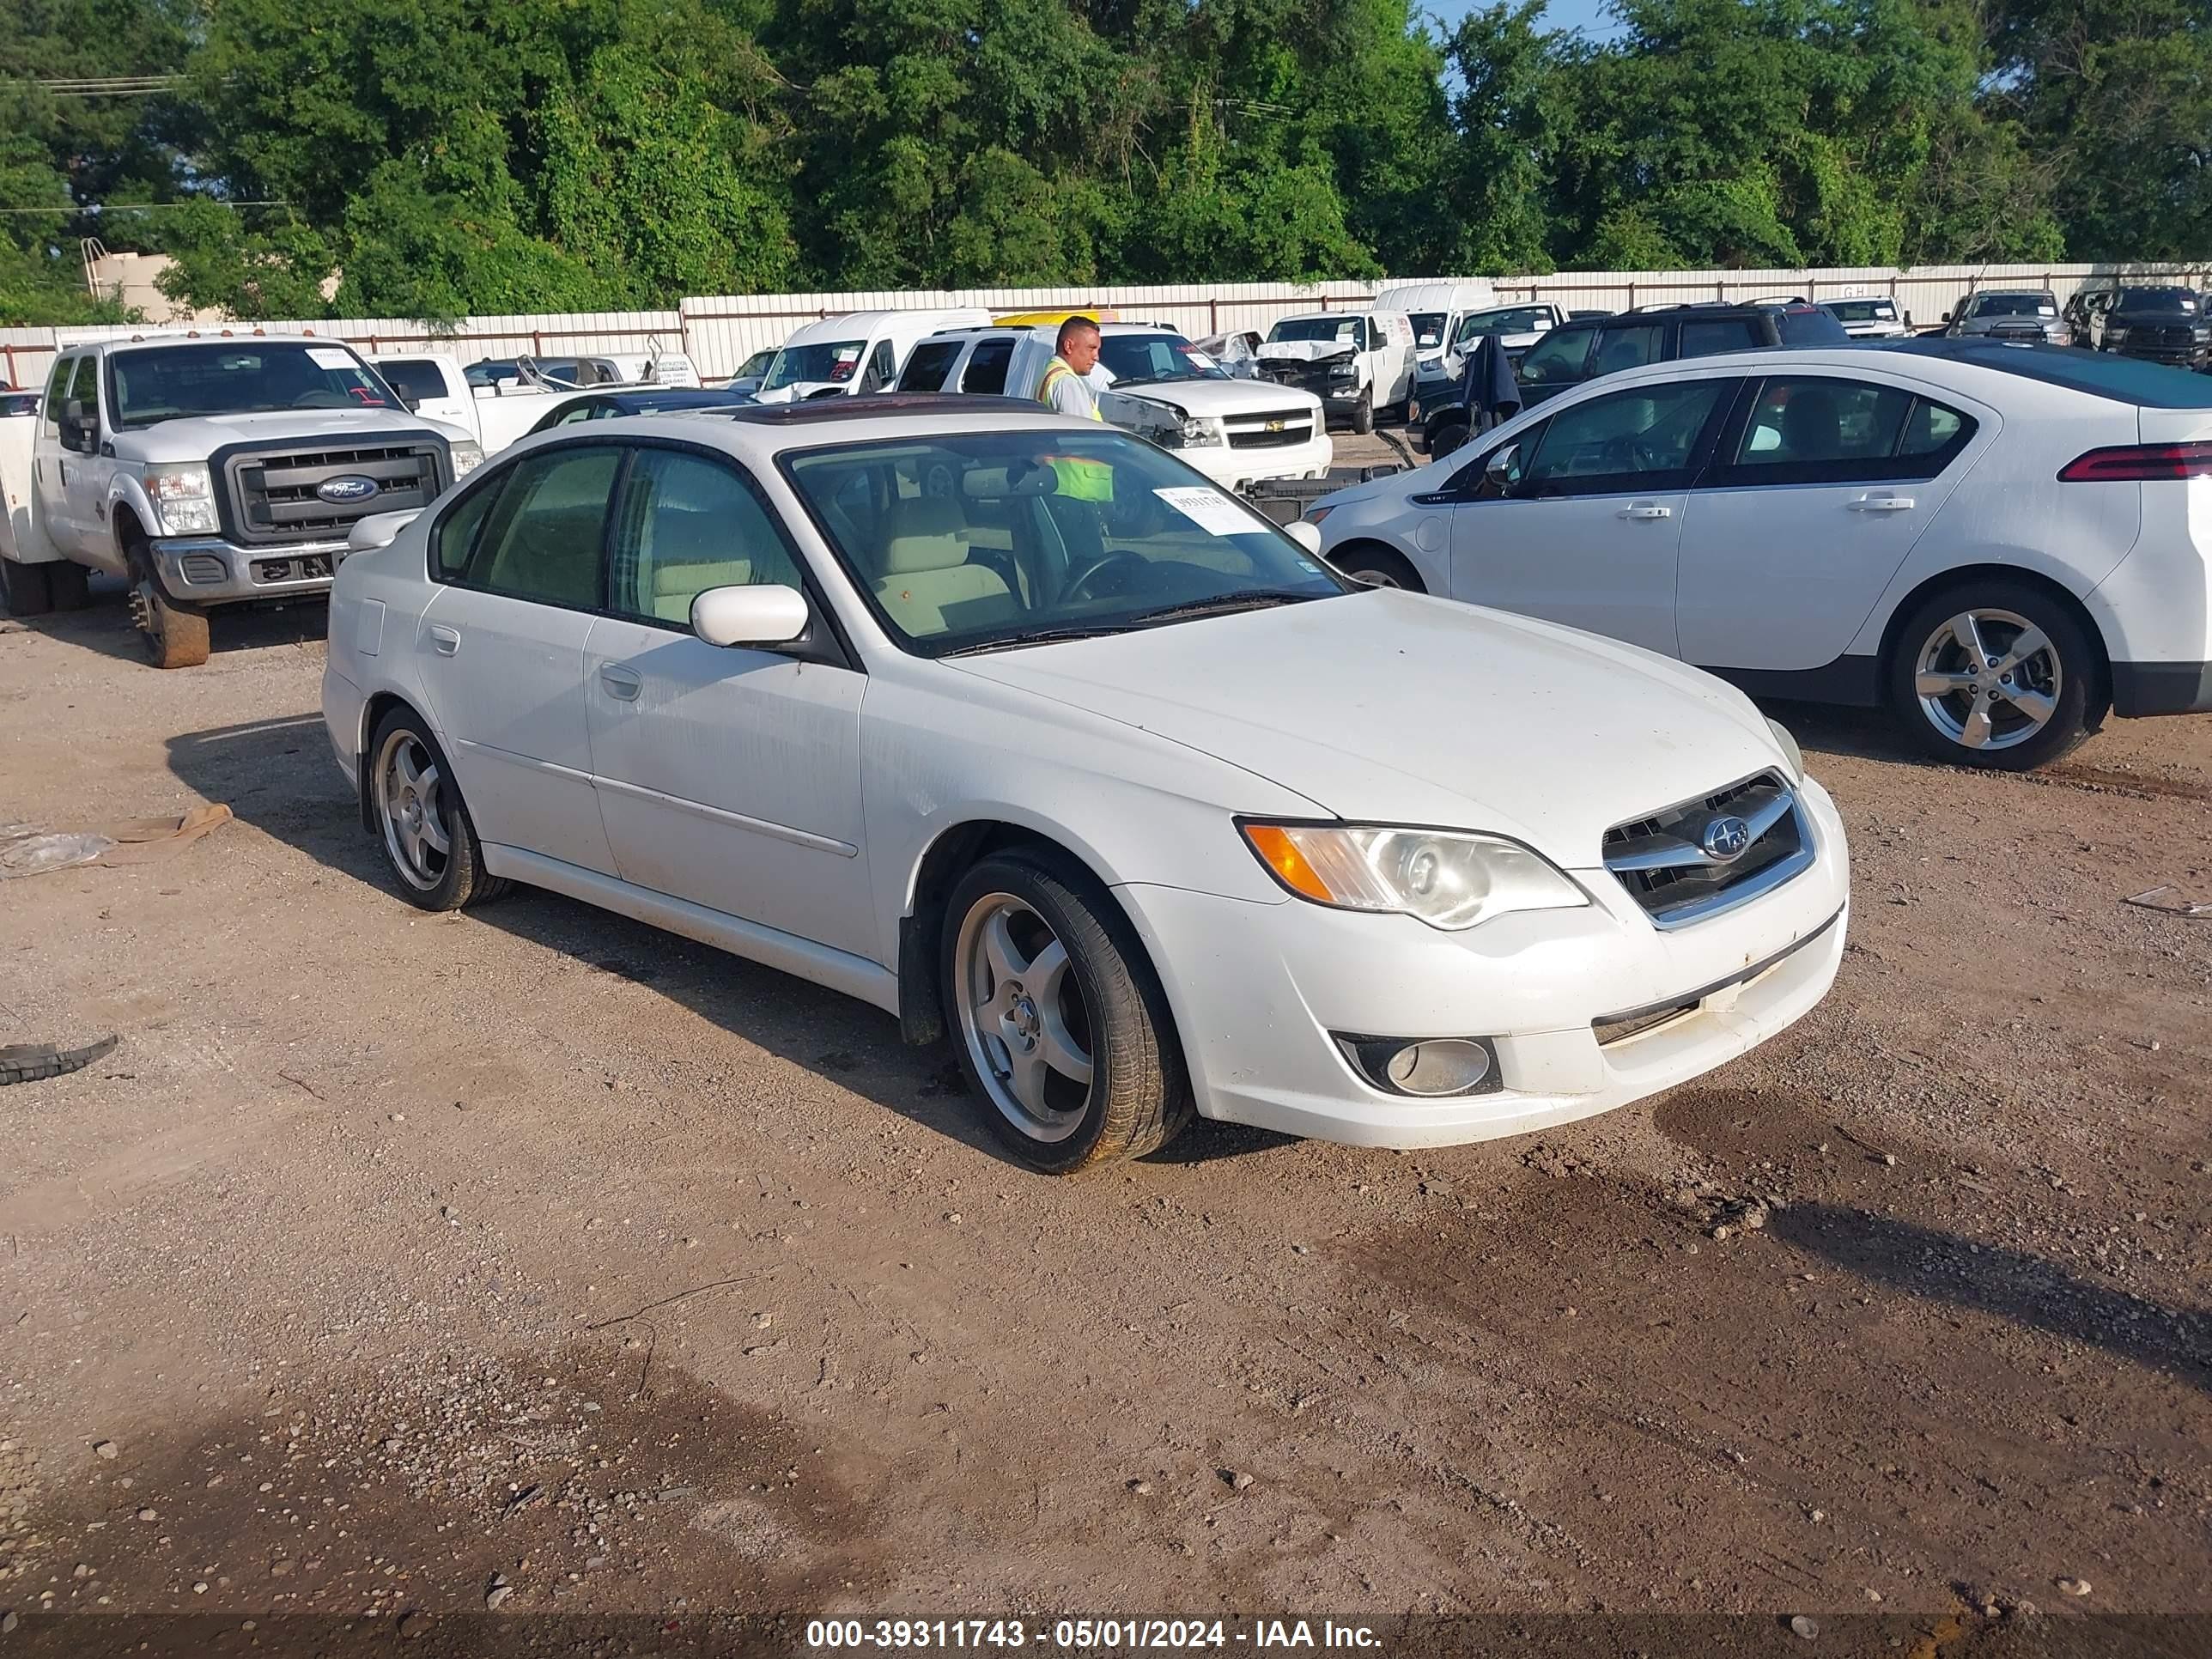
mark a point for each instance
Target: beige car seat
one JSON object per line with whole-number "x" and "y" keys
{"x": 926, "y": 584}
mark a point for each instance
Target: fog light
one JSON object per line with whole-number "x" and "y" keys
{"x": 1428, "y": 1067}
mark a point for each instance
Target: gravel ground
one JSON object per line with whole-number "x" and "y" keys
{"x": 409, "y": 1277}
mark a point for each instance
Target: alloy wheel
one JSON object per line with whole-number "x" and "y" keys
{"x": 1024, "y": 1017}
{"x": 410, "y": 804}
{"x": 1989, "y": 678}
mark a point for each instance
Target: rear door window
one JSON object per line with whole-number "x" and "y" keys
{"x": 1560, "y": 358}
{"x": 1825, "y": 429}
{"x": 932, "y": 362}
{"x": 1702, "y": 339}
{"x": 1628, "y": 346}
{"x": 986, "y": 369}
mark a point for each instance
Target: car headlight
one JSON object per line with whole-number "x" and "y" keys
{"x": 1205, "y": 431}
{"x": 1790, "y": 751}
{"x": 1451, "y": 879}
{"x": 1343, "y": 371}
{"x": 184, "y": 497}
{"x": 468, "y": 456}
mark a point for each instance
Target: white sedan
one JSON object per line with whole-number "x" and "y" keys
{"x": 1018, "y": 728}
{"x": 1999, "y": 542}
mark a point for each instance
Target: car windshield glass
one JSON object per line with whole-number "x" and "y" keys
{"x": 831, "y": 362}
{"x": 1134, "y": 359}
{"x": 169, "y": 383}
{"x": 1864, "y": 311}
{"x": 1428, "y": 328}
{"x": 2157, "y": 299}
{"x": 970, "y": 541}
{"x": 1340, "y": 329}
{"x": 2015, "y": 305}
{"x": 754, "y": 366}
{"x": 1509, "y": 320}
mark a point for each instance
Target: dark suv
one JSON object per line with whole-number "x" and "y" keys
{"x": 1585, "y": 348}
{"x": 2165, "y": 325}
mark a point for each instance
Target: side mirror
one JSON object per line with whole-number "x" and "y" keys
{"x": 1947, "y": 316}
{"x": 78, "y": 430}
{"x": 1306, "y": 535}
{"x": 408, "y": 400}
{"x": 378, "y": 530}
{"x": 1498, "y": 470}
{"x": 750, "y": 616}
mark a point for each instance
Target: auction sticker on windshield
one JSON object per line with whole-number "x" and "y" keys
{"x": 329, "y": 357}
{"x": 1210, "y": 511}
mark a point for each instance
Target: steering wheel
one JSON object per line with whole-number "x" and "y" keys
{"x": 1077, "y": 584}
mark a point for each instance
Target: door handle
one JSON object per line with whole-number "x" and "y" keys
{"x": 1882, "y": 504}
{"x": 1647, "y": 510}
{"x": 445, "y": 641}
{"x": 620, "y": 682}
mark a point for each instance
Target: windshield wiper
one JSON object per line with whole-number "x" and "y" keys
{"x": 1242, "y": 598}
{"x": 1043, "y": 637}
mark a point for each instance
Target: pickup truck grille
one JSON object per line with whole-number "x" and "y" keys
{"x": 1277, "y": 429}
{"x": 1678, "y": 864}
{"x": 2165, "y": 345}
{"x": 270, "y": 496}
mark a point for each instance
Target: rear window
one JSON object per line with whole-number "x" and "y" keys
{"x": 1862, "y": 311}
{"x": 2099, "y": 374}
{"x": 1805, "y": 325}
{"x": 926, "y": 369}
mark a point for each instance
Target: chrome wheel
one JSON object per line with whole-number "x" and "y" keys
{"x": 1988, "y": 679}
{"x": 410, "y": 804}
{"x": 1024, "y": 1017}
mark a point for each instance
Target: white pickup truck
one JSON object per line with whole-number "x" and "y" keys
{"x": 207, "y": 472}
{"x": 500, "y": 406}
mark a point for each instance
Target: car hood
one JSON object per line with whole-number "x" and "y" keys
{"x": 1386, "y": 707}
{"x": 195, "y": 439}
{"x": 1305, "y": 351}
{"x": 2161, "y": 317}
{"x": 1228, "y": 398}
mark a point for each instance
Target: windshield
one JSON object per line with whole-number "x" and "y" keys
{"x": 2015, "y": 305}
{"x": 831, "y": 362}
{"x": 1343, "y": 330}
{"x": 1862, "y": 311}
{"x": 971, "y": 541}
{"x": 1138, "y": 358}
{"x": 170, "y": 383}
{"x": 1428, "y": 328}
{"x": 754, "y": 366}
{"x": 2157, "y": 299}
{"x": 1505, "y": 319}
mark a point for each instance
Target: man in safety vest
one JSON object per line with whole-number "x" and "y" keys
{"x": 1066, "y": 390}
{"x": 1075, "y": 353}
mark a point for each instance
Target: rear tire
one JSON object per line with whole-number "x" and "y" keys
{"x": 415, "y": 805}
{"x": 27, "y": 588}
{"x": 1061, "y": 1023}
{"x": 72, "y": 586}
{"x": 1997, "y": 674}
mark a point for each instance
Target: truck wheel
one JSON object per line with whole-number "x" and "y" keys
{"x": 72, "y": 586}
{"x": 1448, "y": 439}
{"x": 1363, "y": 412}
{"x": 173, "y": 638}
{"x": 29, "y": 588}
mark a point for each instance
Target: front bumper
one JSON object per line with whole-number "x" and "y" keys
{"x": 209, "y": 570}
{"x": 2193, "y": 355}
{"x": 1237, "y": 470}
{"x": 1258, "y": 989}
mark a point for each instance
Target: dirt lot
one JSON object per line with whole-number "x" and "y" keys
{"x": 393, "y": 1268}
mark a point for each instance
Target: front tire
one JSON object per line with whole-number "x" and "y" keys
{"x": 430, "y": 840}
{"x": 1378, "y": 567}
{"x": 173, "y": 638}
{"x": 1448, "y": 439}
{"x": 1060, "y": 1022}
{"x": 1363, "y": 412}
{"x": 1996, "y": 675}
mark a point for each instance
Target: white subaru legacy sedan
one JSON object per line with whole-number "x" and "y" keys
{"x": 1018, "y": 728}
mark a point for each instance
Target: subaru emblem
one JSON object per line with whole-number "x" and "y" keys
{"x": 1725, "y": 838}
{"x": 344, "y": 491}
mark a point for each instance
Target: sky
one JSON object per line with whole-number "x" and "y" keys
{"x": 1585, "y": 15}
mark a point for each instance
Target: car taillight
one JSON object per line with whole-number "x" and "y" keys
{"x": 2139, "y": 463}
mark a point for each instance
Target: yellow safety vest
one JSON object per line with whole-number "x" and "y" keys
{"x": 1079, "y": 480}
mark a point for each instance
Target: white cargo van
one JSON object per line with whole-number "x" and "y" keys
{"x": 1435, "y": 311}
{"x": 855, "y": 354}
{"x": 1357, "y": 362}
